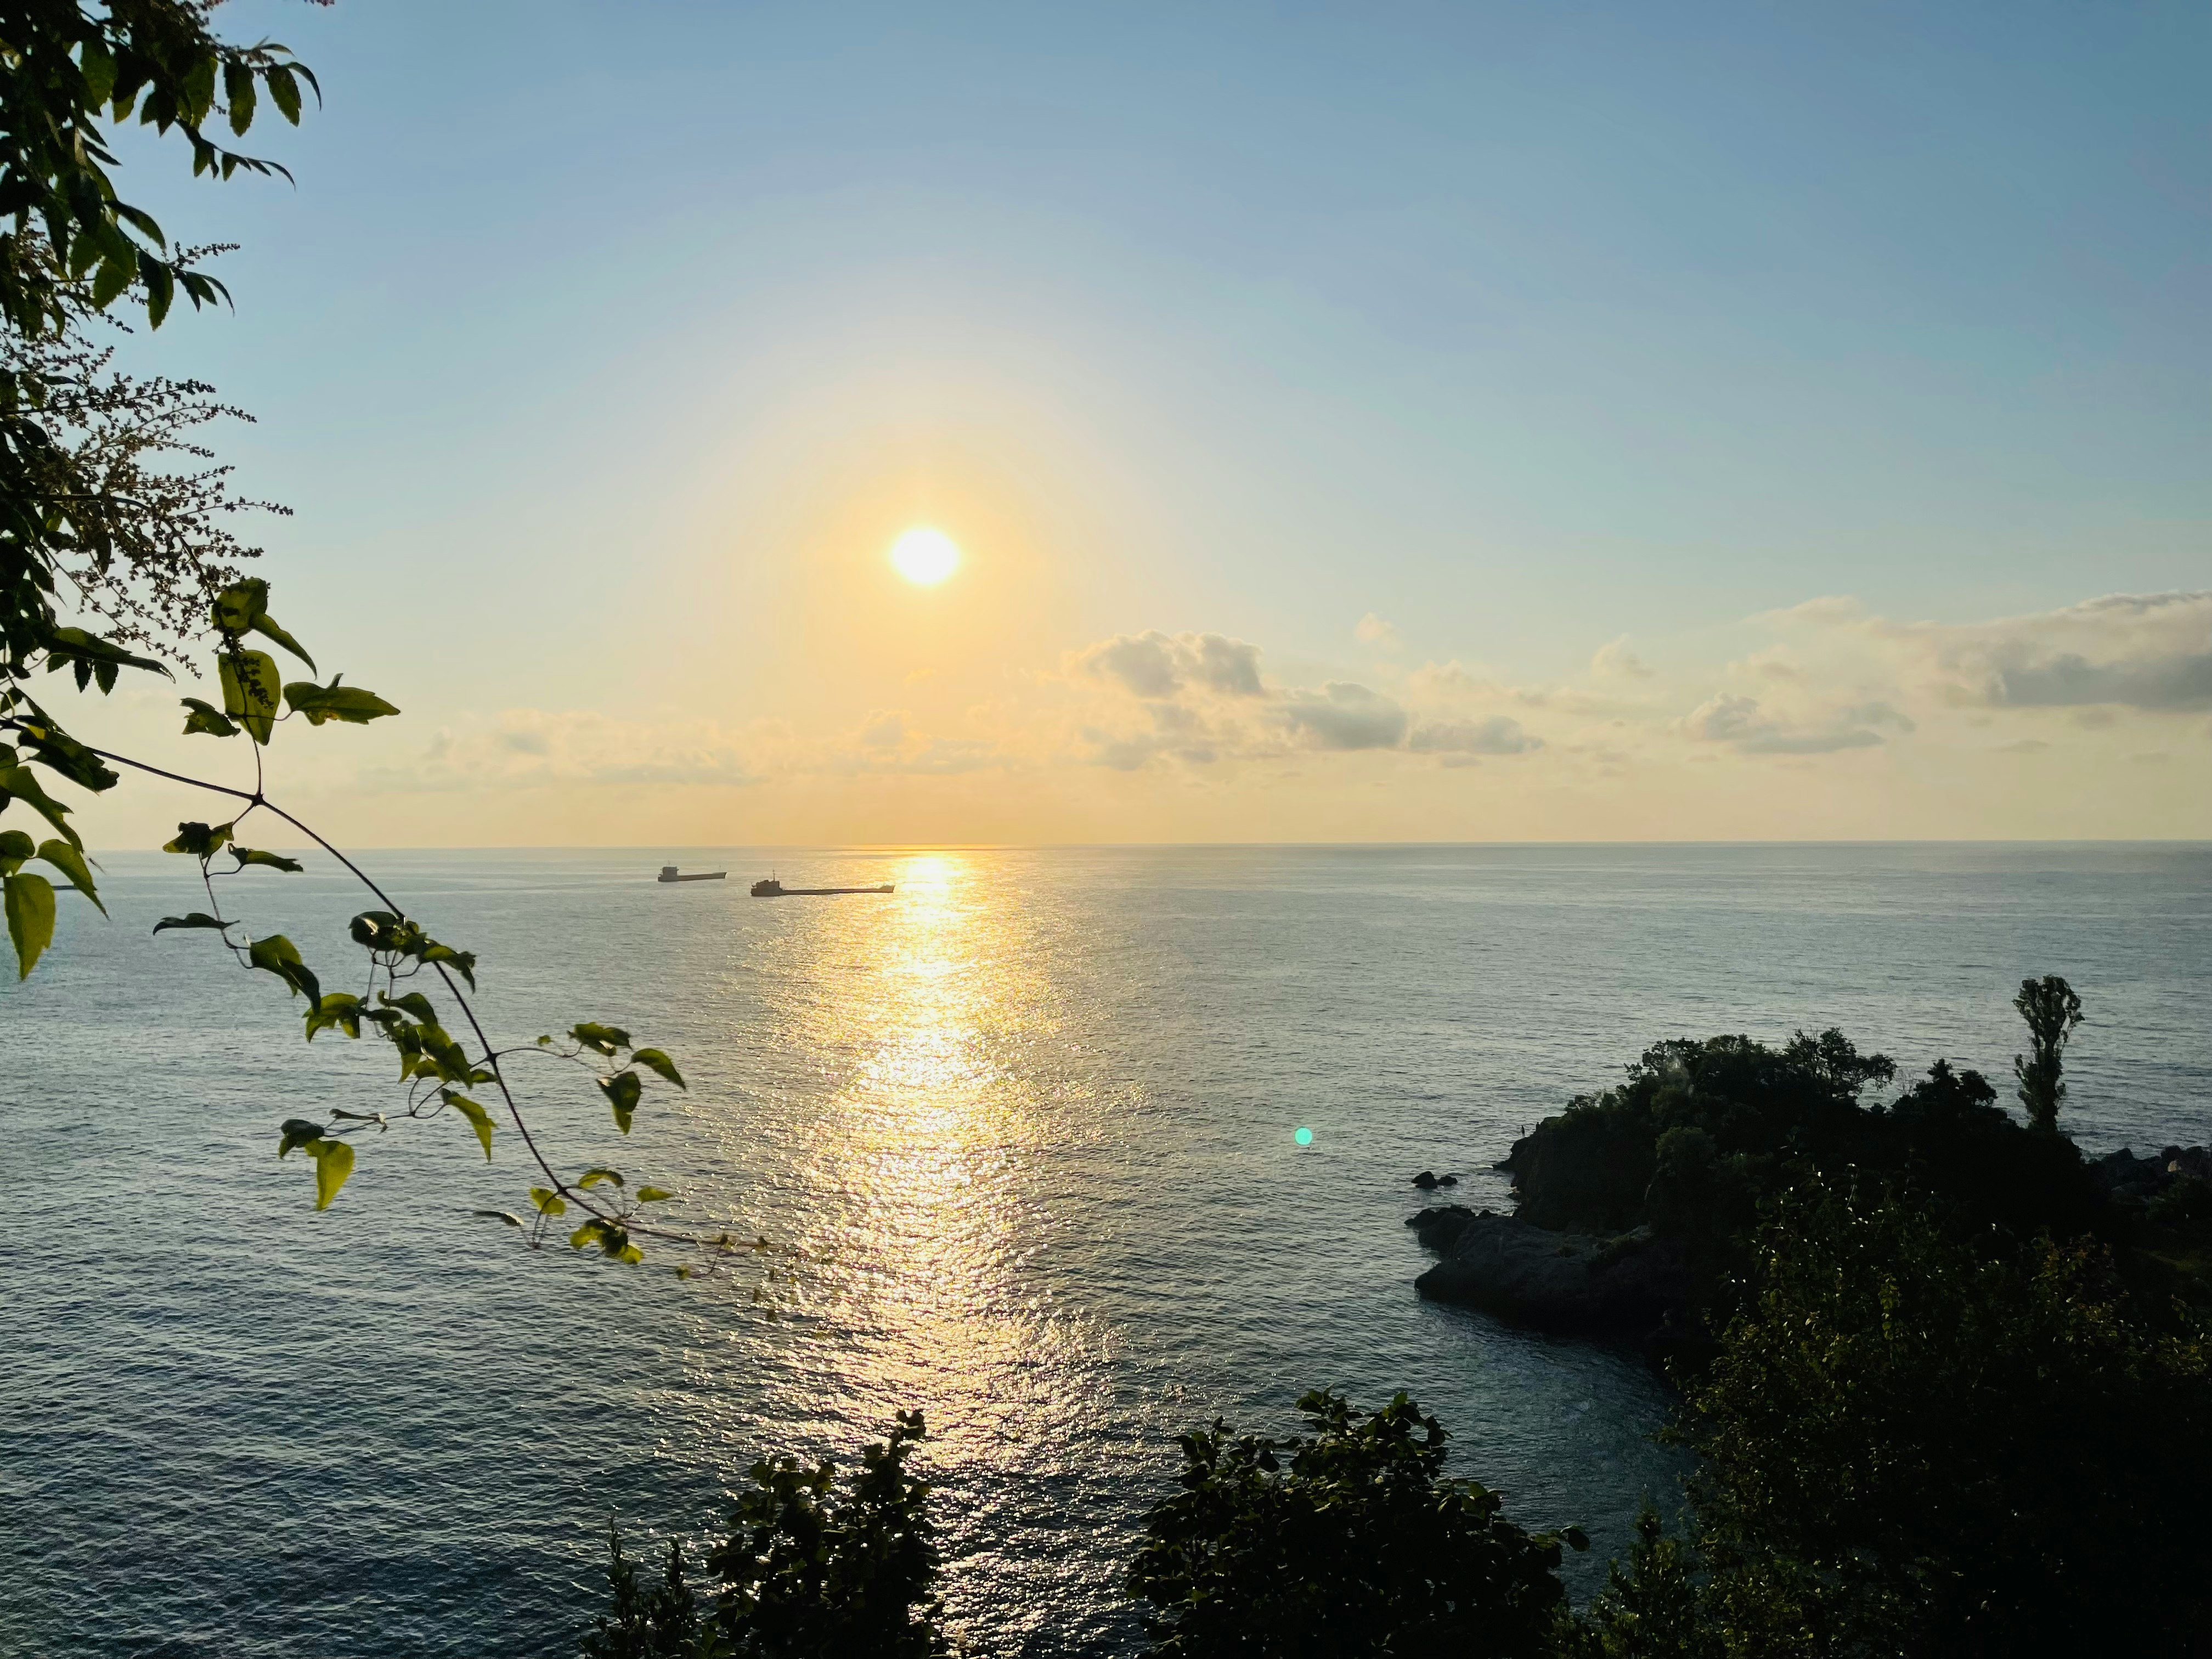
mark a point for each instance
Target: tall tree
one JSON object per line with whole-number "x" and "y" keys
{"x": 2051, "y": 1011}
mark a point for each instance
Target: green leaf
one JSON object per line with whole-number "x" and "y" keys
{"x": 206, "y": 718}
{"x": 336, "y": 702}
{"x": 659, "y": 1064}
{"x": 16, "y": 849}
{"x": 593, "y": 1177}
{"x": 266, "y": 626}
{"x": 238, "y": 607}
{"x": 19, "y": 783}
{"x": 297, "y": 1132}
{"x": 284, "y": 92}
{"x": 93, "y": 658}
{"x": 374, "y": 928}
{"x": 333, "y": 1164}
{"x": 653, "y": 1194}
{"x": 97, "y": 69}
{"x": 622, "y": 1091}
{"x": 479, "y": 1120}
{"x": 30, "y": 906}
{"x": 246, "y": 856}
{"x": 249, "y": 689}
{"x": 601, "y": 1039}
{"x": 238, "y": 93}
{"x": 110, "y": 280}
{"x": 341, "y": 1009}
{"x": 61, "y": 754}
{"x": 507, "y": 1216}
{"x": 70, "y": 862}
{"x": 414, "y": 1003}
{"x": 160, "y": 285}
{"x": 463, "y": 962}
{"x": 197, "y": 919}
{"x": 612, "y": 1238}
{"x": 548, "y": 1201}
{"x": 197, "y": 841}
{"x": 279, "y": 955}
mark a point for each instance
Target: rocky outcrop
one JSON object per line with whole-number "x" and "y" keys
{"x": 2125, "y": 1176}
{"x": 1625, "y": 1287}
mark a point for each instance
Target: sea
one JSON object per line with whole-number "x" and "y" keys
{"x": 1074, "y": 1151}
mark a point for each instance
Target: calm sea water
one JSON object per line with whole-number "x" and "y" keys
{"x": 1023, "y": 1137}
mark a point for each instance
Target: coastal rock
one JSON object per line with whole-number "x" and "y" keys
{"x": 1428, "y": 1180}
{"x": 1625, "y": 1286}
{"x": 2126, "y": 1175}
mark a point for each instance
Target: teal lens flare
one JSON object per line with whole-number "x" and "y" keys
{"x": 1303, "y": 1137}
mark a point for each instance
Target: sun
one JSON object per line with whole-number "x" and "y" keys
{"x": 925, "y": 557}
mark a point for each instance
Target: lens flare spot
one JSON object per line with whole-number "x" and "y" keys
{"x": 1303, "y": 1137}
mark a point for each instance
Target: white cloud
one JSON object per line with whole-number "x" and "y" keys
{"x": 883, "y": 729}
{"x": 1157, "y": 665}
{"x": 1744, "y": 726}
{"x": 1371, "y": 630}
{"x": 1498, "y": 735}
{"x": 2144, "y": 651}
{"x": 1614, "y": 661}
{"x": 1345, "y": 716}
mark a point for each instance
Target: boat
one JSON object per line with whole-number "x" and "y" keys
{"x": 668, "y": 873}
{"x": 772, "y": 888}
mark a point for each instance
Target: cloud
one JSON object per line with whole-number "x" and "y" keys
{"x": 1202, "y": 699}
{"x": 530, "y": 748}
{"x": 883, "y": 729}
{"x": 1371, "y": 630}
{"x": 1498, "y": 735}
{"x": 1742, "y": 724}
{"x": 1157, "y": 665}
{"x": 2144, "y": 651}
{"x": 1345, "y": 715}
{"x": 1614, "y": 661}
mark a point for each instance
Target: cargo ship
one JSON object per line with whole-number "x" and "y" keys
{"x": 774, "y": 888}
{"x": 668, "y": 873}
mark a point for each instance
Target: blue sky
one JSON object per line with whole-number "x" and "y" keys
{"x": 1521, "y": 328}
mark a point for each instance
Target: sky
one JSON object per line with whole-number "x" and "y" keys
{"x": 1467, "y": 423}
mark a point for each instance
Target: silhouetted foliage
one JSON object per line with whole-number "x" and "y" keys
{"x": 1345, "y": 1541}
{"x": 818, "y": 1569}
{"x": 1758, "y": 1113}
{"x": 1653, "y": 1606}
{"x": 1703, "y": 1134}
{"x": 661, "y": 1622}
{"x": 1911, "y": 1444}
{"x": 2051, "y": 1011}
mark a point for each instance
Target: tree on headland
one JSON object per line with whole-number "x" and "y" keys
{"x": 2051, "y": 1011}
{"x": 112, "y": 508}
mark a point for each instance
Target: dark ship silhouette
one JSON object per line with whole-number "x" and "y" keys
{"x": 772, "y": 888}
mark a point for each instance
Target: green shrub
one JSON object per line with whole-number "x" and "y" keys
{"x": 1344, "y": 1542}
{"x": 816, "y": 1570}
{"x": 1911, "y": 1443}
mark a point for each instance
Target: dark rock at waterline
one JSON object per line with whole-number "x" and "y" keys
{"x": 1428, "y": 1180}
{"x": 1628, "y": 1286}
{"x": 2125, "y": 1176}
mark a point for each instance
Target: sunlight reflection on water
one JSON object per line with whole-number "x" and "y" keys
{"x": 1022, "y": 1133}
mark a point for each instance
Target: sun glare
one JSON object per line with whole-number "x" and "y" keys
{"x": 925, "y": 557}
